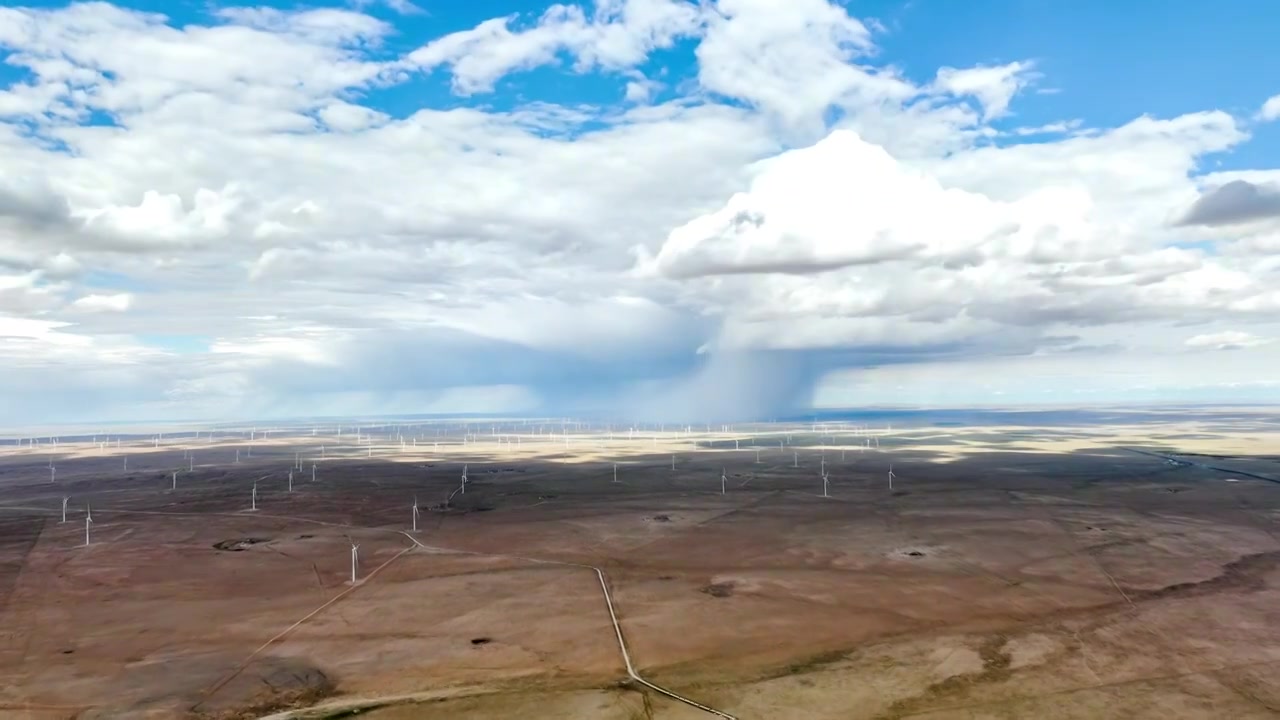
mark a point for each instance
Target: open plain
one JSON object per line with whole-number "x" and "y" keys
{"x": 1126, "y": 568}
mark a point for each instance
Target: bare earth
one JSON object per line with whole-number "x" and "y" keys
{"x": 1011, "y": 573}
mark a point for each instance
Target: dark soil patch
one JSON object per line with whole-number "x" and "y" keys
{"x": 720, "y": 590}
{"x": 239, "y": 544}
{"x": 915, "y": 553}
{"x": 814, "y": 662}
{"x": 661, "y": 518}
{"x": 481, "y": 641}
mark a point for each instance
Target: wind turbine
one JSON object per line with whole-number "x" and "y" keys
{"x": 254, "y": 506}
{"x": 615, "y": 472}
{"x": 723, "y": 480}
{"x": 673, "y": 462}
{"x": 126, "y": 463}
{"x": 88, "y": 511}
{"x": 313, "y": 472}
{"x": 237, "y": 456}
{"x": 825, "y": 482}
{"x": 795, "y": 458}
{"x": 290, "y": 480}
{"x": 757, "y": 456}
{"x": 175, "y": 481}
{"x": 53, "y": 474}
{"x": 891, "y": 476}
{"x": 355, "y": 561}
{"x": 415, "y": 513}
{"x": 64, "y": 507}
{"x": 88, "y": 520}
{"x": 464, "y": 479}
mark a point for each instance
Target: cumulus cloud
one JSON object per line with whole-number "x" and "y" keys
{"x": 1270, "y": 109}
{"x": 794, "y": 208}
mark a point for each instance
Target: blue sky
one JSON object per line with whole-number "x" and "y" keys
{"x": 254, "y": 235}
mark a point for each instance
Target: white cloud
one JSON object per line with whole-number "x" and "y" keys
{"x": 118, "y": 302}
{"x": 1227, "y": 340}
{"x": 618, "y": 35}
{"x": 160, "y": 219}
{"x": 641, "y": 90}
{"x": 840, "y": 202}
{"x": 993, "y": 86}
{"x": 793, "y": 61}
{"x": 1270, "y": 109}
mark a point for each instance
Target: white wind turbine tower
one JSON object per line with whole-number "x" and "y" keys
{"x": 891, "y": 476}
{"x": 723, "y": 479}
{"x": 175, "y": 481}
{"x": 65, "y": 499}
{"x": 673, "y": 462}
{"x": 88, "y": 520}
{"x": 254, "y": 506}
{"x": 464, "y": 479}
{"x": 415, "y": 513}
{"x": 825, "y": 482}
{"x": 795, "y": 458}
{"x": 53, "y": 474}
{"x": 757, "y": 456}
{"x": 615, "y": 472}
{"x": 291, "y": 480}
{"x": 355, "y": 561}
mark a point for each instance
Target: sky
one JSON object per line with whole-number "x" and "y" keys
{"x": 669, "y": 210}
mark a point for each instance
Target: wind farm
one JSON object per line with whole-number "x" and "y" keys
{"x": 551, "y": 568}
